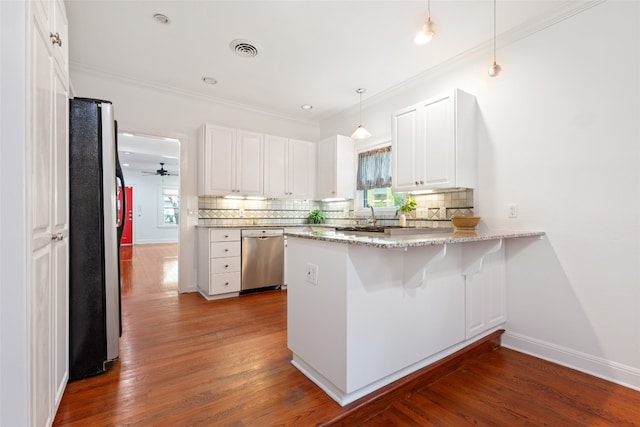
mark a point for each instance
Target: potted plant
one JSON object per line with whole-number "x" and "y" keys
{"x": 407, "y": 208}
{"x": 316, "y": 217}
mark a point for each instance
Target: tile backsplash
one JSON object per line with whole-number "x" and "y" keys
{"x": 433, "y": 210}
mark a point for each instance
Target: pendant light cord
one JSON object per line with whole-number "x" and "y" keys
{"x": 360, "y": 121}
{"x": 494, "y": 31}
{"x": 429, "y": 8}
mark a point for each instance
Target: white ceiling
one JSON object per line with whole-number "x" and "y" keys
{"x": 310, "y": 52}
{"x": 142, "y": 154}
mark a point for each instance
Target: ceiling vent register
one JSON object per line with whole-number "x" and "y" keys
{"x": 244, "y": 48}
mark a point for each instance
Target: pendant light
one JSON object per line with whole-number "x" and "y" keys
{"x": 426, "y": 32}
{"x": 494, "y": 69}
{"x": 360, "y": 132}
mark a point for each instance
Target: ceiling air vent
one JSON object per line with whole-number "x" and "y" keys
{"x": 243, "y": 48}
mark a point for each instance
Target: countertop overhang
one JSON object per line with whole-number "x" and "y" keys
{"x": 412, "y": 240}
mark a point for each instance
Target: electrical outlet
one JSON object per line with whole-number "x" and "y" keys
{"x": 513, "y": 210}
{"x": 312, "y": 274}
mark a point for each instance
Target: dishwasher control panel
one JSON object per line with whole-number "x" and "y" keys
{"x": 263, "y": 232}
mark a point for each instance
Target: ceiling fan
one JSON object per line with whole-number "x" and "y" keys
{"x": 160, "y": 172}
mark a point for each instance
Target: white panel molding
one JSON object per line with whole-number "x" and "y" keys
{"x": 97, "y": 72}
{"x": 597, "y": 366}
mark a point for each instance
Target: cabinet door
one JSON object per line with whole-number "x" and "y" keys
{"x": 60, "y": 35}
{"x": 407, "y": 155}
{"x": 301, "y": 169}
{"x": 276, "y": 166}
{"x": 486, "y": 295}
{"x": 326, "y": 163}
{"x": 40, "y": 289}
{"x": 439, "y": 143}
{"x": 249, "y": 163}
{"x": 60, "y": 221}
{"x": 218, "y": 161}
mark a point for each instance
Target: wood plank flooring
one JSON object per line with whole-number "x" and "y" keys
{"x": 186, "y": 361}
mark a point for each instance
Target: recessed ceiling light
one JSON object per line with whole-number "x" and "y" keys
{"x": 127, "y": 134}
{"x": 306, "y": 107}
{"x": 127, "y": 152}
{"x": 209, "y": 80}
{"x": 163, "y": 19}
{"x": 126, "y": 165}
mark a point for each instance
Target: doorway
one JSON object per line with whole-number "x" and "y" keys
{"x": 151, "y": 167}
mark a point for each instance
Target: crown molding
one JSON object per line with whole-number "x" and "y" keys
{"x": 122, "y": 78}
{"x": 526, "y": 29}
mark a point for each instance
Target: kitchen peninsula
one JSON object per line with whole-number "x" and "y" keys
{"x": 364, "y": 311}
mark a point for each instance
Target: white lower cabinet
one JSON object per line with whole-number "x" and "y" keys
{"x": 486, "y": 294}
{"x": 219, "y": 262}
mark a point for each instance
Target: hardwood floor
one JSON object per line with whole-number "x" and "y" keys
{"x": 185, "y": 361}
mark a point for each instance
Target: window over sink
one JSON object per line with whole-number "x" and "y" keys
{"x": 373, "y": 182}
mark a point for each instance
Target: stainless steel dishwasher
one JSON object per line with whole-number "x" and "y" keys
{"x": 262, "y": 259}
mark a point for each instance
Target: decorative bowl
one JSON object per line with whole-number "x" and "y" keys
{"x": 465, "y": 223}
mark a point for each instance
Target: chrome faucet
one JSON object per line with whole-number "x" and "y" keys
{"x": 372, "y": 220}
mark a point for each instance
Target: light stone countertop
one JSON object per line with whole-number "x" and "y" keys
{"x": 268, "y": 226}
{"x": 406, "y": 241}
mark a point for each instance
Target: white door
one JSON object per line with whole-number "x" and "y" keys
{"x": 60, "y": 182}
{"x": 40, "y": 291}
{"x": 49, "y": 225}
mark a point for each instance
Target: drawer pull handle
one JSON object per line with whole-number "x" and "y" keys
{"x": 226, "y": 236}
{"x": 226, "y": 250}
{"x": 226, "y": 284}
{"x": 226, "y": 266}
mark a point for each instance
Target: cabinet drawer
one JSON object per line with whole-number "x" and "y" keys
{"x": 224, "y": 282}
{"x": 224, "y": 235}
{"x": 224, "y": 265}
{"x": 224, "y": 249}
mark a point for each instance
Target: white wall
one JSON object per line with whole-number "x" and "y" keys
{"x": 156, "y": 111}
{"x": 146, "y": 207}
{"x": 559, "y": 135}
{"x": 14, "y": 216}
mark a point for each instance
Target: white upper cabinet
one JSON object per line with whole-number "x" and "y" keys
{"x": 336, "y": 168}
{"x": 231, "y": 162}
{"x": 289, "y": 168}
{"x": 249, "y": 163}
{"x": 434, "y": 144}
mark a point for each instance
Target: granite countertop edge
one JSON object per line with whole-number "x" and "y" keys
{"x": 268, "y": 226}
{"x": 414, "y": 240}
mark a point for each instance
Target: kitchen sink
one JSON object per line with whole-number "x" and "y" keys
{"x": 365, "y": 228}
{"x": 392, "y": 230}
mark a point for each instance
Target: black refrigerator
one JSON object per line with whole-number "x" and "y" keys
{"x": 95, "y": 230}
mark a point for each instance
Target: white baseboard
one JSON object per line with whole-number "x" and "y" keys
{"x": 598, "y": 367}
